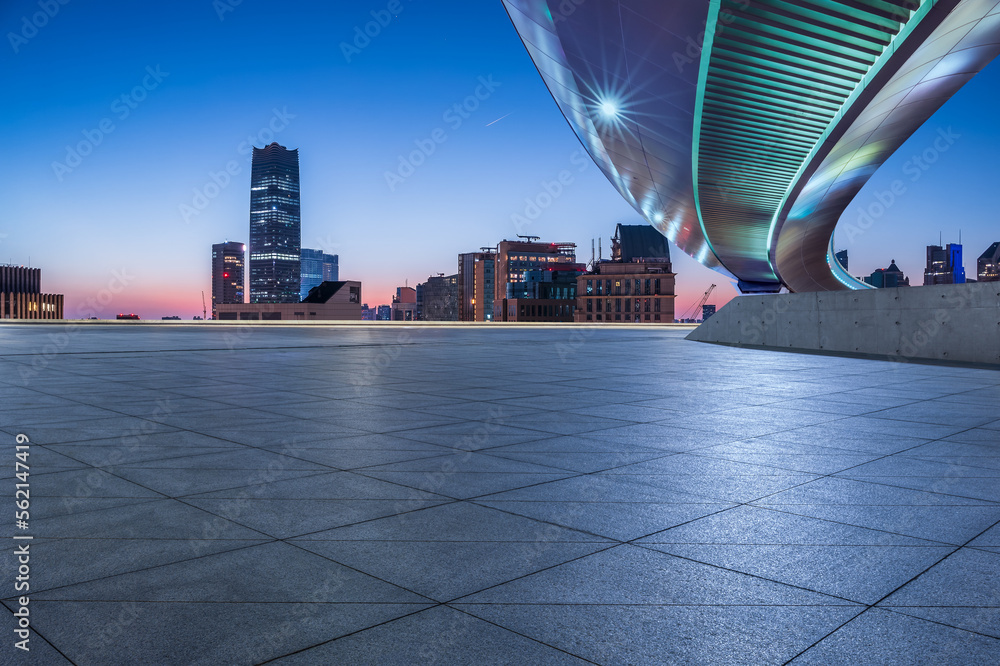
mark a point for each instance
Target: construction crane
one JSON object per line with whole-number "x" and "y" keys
{"x": 697, "y": 306}
{"x": 204, "y": 308}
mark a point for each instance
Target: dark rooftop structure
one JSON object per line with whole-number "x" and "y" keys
{"x": 324, "y": 291}
{"x": 327, "y": 301}
{"x": 638, "y": 241}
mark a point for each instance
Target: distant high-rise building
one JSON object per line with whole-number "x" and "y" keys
{"x": 944, "y": 265}
{"x": 636, "y": 286}
{"x": 367, "y": 313}
{"x": 988, "y": 268}
{"x": 708, "y": 310}
{"x": 383, "y": 313}
{"x": 842, "y": 258}
{"x": 21, "y": 295}
{"x": 887, "y": 278}
{"x": 476, "y": 280}
{"x": 228, "y": 261}
{"x": 437, "y": 299}
{"x": 275, "y": 226}
{"x": 316, "y": 268}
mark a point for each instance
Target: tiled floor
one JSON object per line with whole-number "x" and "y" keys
{"x": 496, "y": 496}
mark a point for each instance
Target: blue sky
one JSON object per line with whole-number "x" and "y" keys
{"x": 150, "y": 196}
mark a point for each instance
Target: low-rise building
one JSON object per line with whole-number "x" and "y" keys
{"x": 404, "y": 304}
{"x": 437, "y": 299}
{"x": 636, "y": 286}
{"x": 542, "y": 295}
{"x": 330, "y": 301}
{"x": 21, "y": 295}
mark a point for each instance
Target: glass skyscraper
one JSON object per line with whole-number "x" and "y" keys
{"x": 275, "y": 225}
{"x": 317, "y": 267}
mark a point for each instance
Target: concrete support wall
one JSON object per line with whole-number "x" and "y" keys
{"x": 945, "y": 323}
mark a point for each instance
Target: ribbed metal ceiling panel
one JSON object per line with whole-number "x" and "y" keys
{"x": 779, "y": 72}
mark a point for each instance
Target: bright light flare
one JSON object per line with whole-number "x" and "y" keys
{"x": 609, "y": 109}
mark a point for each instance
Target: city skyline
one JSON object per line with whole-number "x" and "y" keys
{"x": 177, "y": 160}
{"x": 741, "y": 404}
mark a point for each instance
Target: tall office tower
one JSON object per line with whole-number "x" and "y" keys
{"x": 275, "y": 225}
{"x": 989, "y": 264}
{"x": 228, "y": 262}
{"x": 316, "y": 268}
{"x": 944, "y": 265}
{"x": 476, "y": 280}
{"x": 516, "y": 257}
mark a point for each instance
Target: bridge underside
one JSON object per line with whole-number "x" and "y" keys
{"x": 742, "y": 130}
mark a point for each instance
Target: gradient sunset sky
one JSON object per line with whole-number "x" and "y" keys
{"x": 216, "y": 77}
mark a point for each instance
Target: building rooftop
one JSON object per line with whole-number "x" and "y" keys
{"x": 324, "y": 291}
{"x": 639, "y": 241}
{"x": 212, "y": 494}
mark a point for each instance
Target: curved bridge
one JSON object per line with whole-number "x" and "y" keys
{"x": 742, "y": 129}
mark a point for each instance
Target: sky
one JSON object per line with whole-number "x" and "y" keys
{"x": 129, "y": 124}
